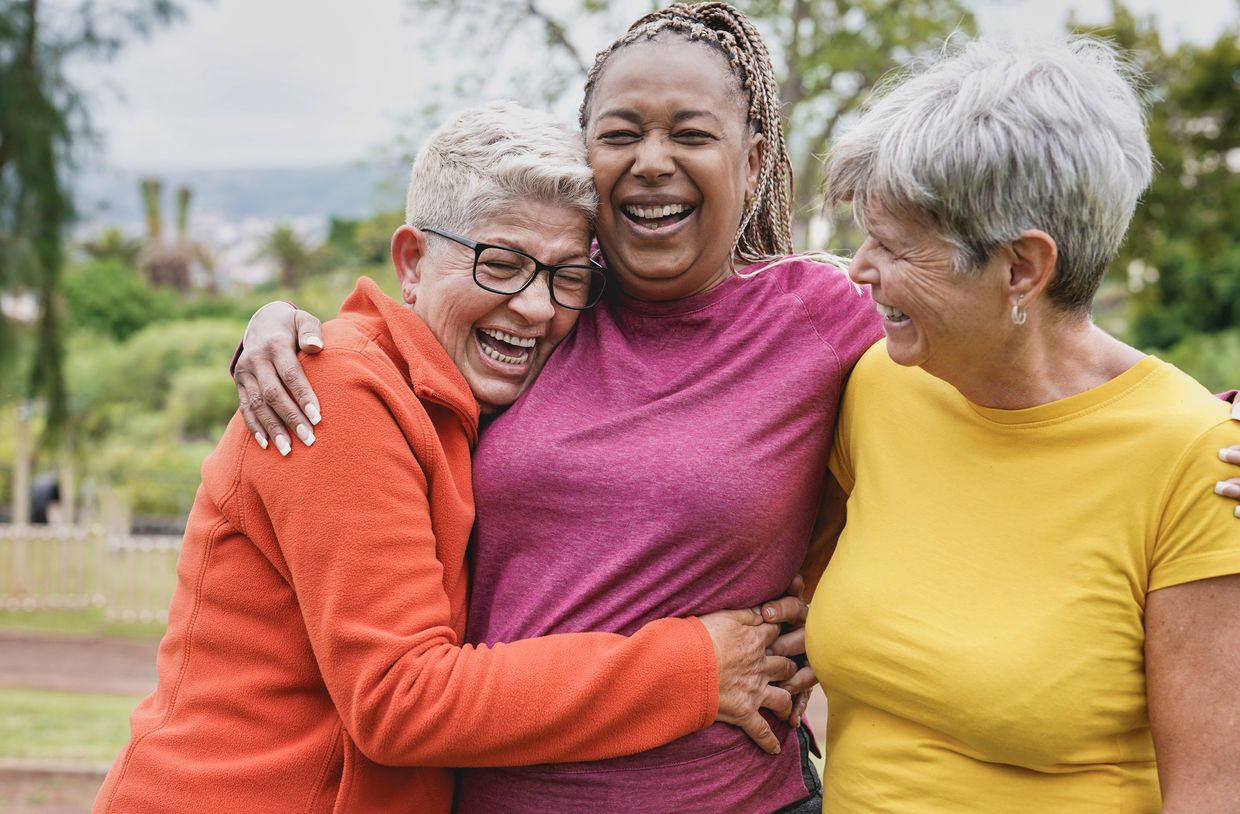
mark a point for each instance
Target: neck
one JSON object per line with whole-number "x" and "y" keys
{"x": 673, "y": 289}
{"x": 1045, "y": 362}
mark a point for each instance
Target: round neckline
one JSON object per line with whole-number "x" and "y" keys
{"x": 1072, "y": 405}
{"x": 684, "y": 305}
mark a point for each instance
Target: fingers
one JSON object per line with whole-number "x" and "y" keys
{"x": 778, "y": 668}
{"x": 271, "y": 382}
{"x": 759, "y": 731}
{"x": 778, "y": 701}
{"x": 309, "y": 332}
{"x": 797, "y": 588}
{"x": 293, "y": 377}
{"x": 1231, "y": 454}
{"x": 790, "y": 644}
{"x": 248, "y": 415}
{"x": 802, "y": 682}
{"x": 790, "y": 610}
{"x": 249, "y": 390}
{"x": 800, "y": 703}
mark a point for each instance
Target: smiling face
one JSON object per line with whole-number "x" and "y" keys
{"x": 498, "y": 342}
{"x": 937, "y": 318}
{"x": 673, "y": 159}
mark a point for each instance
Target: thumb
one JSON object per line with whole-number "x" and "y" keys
{"x": 309, "y": 331}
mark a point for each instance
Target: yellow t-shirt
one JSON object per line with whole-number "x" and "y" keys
{"x": 979, "y": 631}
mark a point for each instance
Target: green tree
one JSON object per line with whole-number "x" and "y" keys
{"x": 1181, "y": 257}
{"x": 42, "y": 118}
{"x": 291, "y": 253}
{"x": 112, "y": 244}
{"x": 113, "y": 299}
{"x": 828, "y": 55}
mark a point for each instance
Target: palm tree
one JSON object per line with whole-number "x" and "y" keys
{"x": 291, "y": 253}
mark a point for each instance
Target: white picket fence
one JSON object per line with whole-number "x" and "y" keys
{"x": 74, "y": 568}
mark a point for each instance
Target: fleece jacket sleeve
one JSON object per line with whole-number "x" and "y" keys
{"x": 350, "y": 524}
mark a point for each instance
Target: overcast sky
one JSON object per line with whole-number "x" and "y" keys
{"x": 248, "y": 83}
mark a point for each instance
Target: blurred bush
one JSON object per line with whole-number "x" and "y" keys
{"x": 1212, "y": 359}
{"x": 111, "y": 298}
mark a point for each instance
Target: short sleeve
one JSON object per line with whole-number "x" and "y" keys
{"x": 1199, "y": 534}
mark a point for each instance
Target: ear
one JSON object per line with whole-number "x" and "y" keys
{"x": 1032, "y": 259}
{"x": 753, "y": 165}
{"x": 408, "y": 249}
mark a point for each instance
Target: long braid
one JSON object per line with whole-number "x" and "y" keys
{"x": 765, "y": 230}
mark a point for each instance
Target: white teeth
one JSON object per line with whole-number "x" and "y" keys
{"x": 500, "y": 357}
{"x": 653, "y": 212}
{"x": 890, "y": 312}
{"x": 519, "y": 341}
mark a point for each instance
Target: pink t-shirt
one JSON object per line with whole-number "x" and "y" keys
{"x": 667, "y": 462}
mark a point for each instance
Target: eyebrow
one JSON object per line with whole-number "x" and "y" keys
{"x": 680, "y": 115}
{"x": 506, "y": 241}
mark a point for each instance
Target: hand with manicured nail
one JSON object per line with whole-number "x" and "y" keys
{"x": 277, "y": 400}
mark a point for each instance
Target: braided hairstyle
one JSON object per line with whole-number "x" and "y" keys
{"x": 765, "y": 230}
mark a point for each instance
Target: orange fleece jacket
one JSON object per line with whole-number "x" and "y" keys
{"x": 313, "y": 645}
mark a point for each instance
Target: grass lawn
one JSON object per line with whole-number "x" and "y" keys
{"x": 64, "y": 727}
{"x": 88, "y": 622}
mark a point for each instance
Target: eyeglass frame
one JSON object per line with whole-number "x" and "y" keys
{"x": 478, "y": 247}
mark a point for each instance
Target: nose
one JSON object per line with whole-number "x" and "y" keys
{"x": 533, "y": 303}
{"x": 654, "y": 158}
{"x": 862, "y": 270}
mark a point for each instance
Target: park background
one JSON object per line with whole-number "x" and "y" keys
{"x": 166, "y": 166}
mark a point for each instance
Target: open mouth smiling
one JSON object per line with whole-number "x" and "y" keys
{"x": 891, "y": 314}
{"x": 503, "y": 347}
{"x": 656, "y": 217}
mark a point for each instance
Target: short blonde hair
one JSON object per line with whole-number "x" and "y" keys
{"x": 495, "y": 158}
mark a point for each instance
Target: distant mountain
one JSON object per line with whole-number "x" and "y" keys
{"x": 349, "y": 190}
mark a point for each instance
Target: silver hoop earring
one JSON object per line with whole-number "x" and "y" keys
{"x": 1019, "y": 315}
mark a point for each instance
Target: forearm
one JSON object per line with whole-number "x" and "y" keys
{"x": 572, "y": 697}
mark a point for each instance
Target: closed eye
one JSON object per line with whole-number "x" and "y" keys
{"x": 693, "y": 136}
{"x": 619, "y": 136}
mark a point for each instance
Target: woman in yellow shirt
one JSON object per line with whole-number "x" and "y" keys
{"x": 1048, "y": 620}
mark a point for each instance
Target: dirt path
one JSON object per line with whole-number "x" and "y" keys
{"x": 77, "y": 663}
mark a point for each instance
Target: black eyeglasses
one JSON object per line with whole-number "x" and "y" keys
{"x": 502, "y": 270}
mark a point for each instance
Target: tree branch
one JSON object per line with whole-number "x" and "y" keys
{"x": 557, "y": 35}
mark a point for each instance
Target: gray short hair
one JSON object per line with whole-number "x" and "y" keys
{"x": 494, "y": 158}
{"x": 992, "y": 138}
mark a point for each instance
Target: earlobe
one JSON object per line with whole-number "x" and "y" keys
{"x": 408, "y": 249}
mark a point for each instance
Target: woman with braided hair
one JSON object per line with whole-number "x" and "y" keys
{"x": 669, "y": 458}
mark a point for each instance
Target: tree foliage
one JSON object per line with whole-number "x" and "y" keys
{"x": 1182, "y": 253}
{"x": 42, "y": 118}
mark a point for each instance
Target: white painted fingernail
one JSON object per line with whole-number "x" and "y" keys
{"x": 1227, "y": 489}
{"x": 1227, "y": 455}
{"x": 312, "y": 413}
{"x": 303, "y": 432}
{"x": 315, "y": 341}
{"x": 261, "y": 439}
{"x": 283, "y": 445}
{"x": 1237, "y": 511}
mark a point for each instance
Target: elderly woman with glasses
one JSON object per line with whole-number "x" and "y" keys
{"x": 1050, "y": 620}
{"x": 314, "y": 642}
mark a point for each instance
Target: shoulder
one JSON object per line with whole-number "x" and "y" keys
{"x": 809, "y": 278}
{"x": 841, "y": 312}
{"x": 1182, "y": 403}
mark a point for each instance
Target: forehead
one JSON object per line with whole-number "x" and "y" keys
{"x": 548, "y": 231}
{"x": 667, "y": 72}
